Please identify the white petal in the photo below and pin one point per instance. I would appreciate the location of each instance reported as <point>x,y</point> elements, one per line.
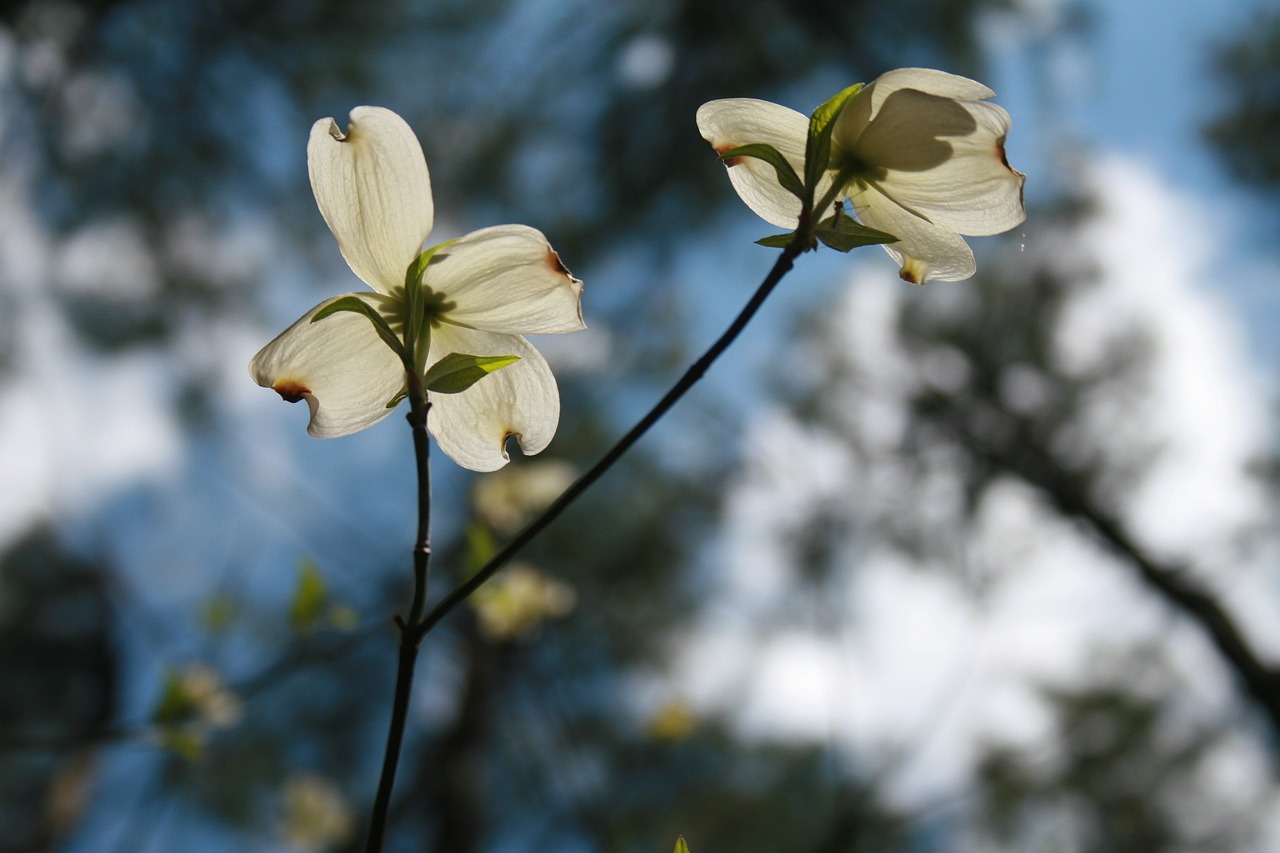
<point>944,159</point>
<point>521,400</point>
<point>863,107</point>
<point>926,80</point>
<point>373,189</point>
<point>733,122</point>
<point>507,279</point>
<point>925,252</point>
<point>339,365</point>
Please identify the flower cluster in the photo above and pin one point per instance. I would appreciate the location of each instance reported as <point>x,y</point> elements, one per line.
<point>917,153</point>
<point>479,295</point>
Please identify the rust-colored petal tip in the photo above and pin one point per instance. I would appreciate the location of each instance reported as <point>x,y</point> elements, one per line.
<point>291,392</point>
<point>732,161</point>
<point>557,266</point>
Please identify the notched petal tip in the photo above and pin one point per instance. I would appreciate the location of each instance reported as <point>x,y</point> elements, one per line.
<point>1019,176</point>
<point>336,132</point>
<point>732,161</point>
<point>913,271</point>
<point>508,434</point>
<point>558,268</point>
<point>291,391</point>
<point>1003,157</point>
<point>556,265</point>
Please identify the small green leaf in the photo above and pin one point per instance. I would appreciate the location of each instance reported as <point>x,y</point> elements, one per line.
<point>817,152</point>
<point>309,597</point>
<point>480,546</point>
<point>761,151</point>
<point>828,110</point>
<point>175,704</point>
<point>400,395</point>
<point>458,371</point>
<point>420,263</point>
<point>187,744</point>
<point>356,305</point>
<point>844,233</point>
<point>777,241</point>
<point>218,613</point>
<point>414,307</point>
<point>681,847</point>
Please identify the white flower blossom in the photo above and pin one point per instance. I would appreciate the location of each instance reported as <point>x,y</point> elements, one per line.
<point>317,815</point>
<point>483,293</point>
<point>917,153</point>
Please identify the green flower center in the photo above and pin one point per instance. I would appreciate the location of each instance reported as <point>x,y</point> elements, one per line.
<point>435,306</point>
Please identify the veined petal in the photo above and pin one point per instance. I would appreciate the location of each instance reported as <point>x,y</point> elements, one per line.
<point>734,122</point>
<point>925,252</point>
<point>339,365</point>
<point>507,279</point>
<point>944,159</point>
<point>863,107</point>
<point>373,190</point>
<point>929,80</point>
<point>521,400</point>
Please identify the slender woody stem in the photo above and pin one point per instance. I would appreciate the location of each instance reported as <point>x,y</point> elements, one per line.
<point>691,376</point>
<point>410,634</point>
<point>416,626</point>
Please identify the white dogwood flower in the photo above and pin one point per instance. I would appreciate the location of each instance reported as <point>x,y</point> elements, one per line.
<point>483,292</point>
<point>917,153</point>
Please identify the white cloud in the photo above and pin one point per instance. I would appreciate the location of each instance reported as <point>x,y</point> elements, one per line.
<point>74,425</point>
<point>1206,407</point>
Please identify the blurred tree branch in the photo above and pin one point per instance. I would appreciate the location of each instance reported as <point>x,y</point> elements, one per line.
<point>1247,134</point>
<point>1024,456</point>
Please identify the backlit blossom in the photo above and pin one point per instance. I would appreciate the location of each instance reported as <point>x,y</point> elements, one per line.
<point>317,815</point>
<point>519,600</point>
<point>917,153</point>
<point>483,293</point>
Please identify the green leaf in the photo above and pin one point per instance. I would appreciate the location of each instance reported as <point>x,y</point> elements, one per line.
<point>681,847</point>
<point>817,151</point>
<point>400,395</point>
<point>218,613</point>
<point>843,233</point>
<point>309,597</point>
<point>419,266</point>
<point>480,546</point>
<point>187,744</point>
<point>762,151</point>
<point>458,371</point>
<point>356,305</point>
<point>777,241</point>
<point>414,307</point>
<point>175,704</point>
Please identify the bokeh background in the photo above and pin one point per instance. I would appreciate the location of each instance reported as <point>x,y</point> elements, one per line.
<point>988,566</point>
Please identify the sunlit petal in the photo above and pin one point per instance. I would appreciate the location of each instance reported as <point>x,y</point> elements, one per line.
<point>924,251</point>
<point>945,160</point>
<point>339,365</point>
<point>521,400</point>
<point>507,279</point>
<point>734,122</point>
<point>929,80</point>
<point>372,187</point>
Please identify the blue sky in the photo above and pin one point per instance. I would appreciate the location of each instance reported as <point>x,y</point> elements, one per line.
<point>1142,84</point>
